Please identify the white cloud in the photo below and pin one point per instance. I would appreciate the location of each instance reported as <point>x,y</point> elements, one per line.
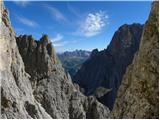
<point>59,42</point>
<point>22,3</point>
<point>58,38</point>
<point>93,24</point>
<point>56,13</point>
<point>26,21</point>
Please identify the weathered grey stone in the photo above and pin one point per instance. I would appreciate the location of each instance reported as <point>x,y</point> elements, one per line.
<point>15,85</point>
<point>138,96</point>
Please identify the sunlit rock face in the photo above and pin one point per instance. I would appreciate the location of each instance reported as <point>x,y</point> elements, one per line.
<point>138,96</point>
<point>17,100</point>
<point>106,68</point>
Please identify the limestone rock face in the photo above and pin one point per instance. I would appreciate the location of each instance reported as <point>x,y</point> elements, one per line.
<point>34,85</point>
<point>105,68</point>
<point>38,56</point>
<point>17,100</point>
<point>138,96</point>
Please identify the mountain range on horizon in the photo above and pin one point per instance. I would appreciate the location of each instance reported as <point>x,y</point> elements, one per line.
<point>72,60</point>
<point>118,82</point>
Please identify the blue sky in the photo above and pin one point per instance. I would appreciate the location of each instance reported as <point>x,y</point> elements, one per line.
<point>75,25</point>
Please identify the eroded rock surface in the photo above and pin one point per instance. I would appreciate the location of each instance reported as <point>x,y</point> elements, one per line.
<point>17,100</point>
<point>138,96</point>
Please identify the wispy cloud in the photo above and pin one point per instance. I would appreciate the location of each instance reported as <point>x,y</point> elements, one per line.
<point>57,14</point>
<point>58,38</point>
<point>60,44</point>
<point>22,3</point>
<point>26,21</point>
<point>93,24</point>
<point>74,10</point>
<point>58,41</point>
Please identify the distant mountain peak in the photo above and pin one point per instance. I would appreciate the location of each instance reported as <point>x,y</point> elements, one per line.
<point>72,60</point>
<point>75,53</point>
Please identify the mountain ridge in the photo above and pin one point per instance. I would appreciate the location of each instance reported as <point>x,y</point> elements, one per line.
<point>105,68</point>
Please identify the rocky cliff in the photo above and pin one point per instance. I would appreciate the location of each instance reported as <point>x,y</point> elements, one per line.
<point>34,84</point>
<point>138,96</point>
<point>17,100</point>
<point>105,68</point>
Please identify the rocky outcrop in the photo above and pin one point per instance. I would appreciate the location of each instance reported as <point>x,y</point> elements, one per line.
<point>34,85</point>
<point>138,96</point>
<point>39,57</point>
<point>17,100</point>
<point>105,68</point>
